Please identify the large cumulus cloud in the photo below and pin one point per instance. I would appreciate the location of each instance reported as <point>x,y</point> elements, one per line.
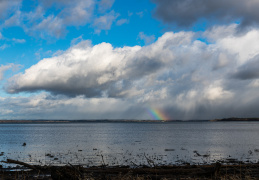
<point>185,13</point>
<point>183,76</point>
<point>99,70</point>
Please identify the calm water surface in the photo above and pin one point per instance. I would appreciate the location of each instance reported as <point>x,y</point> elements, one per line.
<point>130,143</point>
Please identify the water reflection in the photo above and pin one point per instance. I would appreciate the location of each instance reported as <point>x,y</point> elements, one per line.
<point>127,143</point>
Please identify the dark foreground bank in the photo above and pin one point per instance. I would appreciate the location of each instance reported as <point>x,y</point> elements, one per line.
<point>219,170</point>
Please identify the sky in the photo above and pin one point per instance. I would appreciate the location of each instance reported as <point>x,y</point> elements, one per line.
<point>129,59</point>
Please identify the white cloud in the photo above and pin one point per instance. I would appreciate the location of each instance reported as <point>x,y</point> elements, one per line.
<point>18,40</point>
<point>4,46</point>
<point>4,68</point>
<point>6,42</point>
<point>52,25</point>
<point>121,22</point>
<point>38,106</point>
<point>255,84</point>
<point>215,92</point>
<point>244,46</point>
<point>217,32</point>
<point>78,14</point>
<point>147,39</point>
<point>140,14</point>
<point>14,20</point>
<point>8,7</point>
<point>105,5</point>
<point>105,22</point>
<point>76,40</point>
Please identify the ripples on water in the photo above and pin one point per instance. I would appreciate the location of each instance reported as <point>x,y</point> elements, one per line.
<point>130,143</point>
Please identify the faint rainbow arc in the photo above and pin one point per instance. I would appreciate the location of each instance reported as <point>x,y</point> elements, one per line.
<point>158,114</point>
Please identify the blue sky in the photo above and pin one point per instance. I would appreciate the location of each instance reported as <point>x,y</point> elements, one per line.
<point>114,59</point>
<point>32,47</point>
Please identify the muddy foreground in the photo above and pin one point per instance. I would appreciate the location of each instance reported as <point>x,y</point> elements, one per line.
<point>219,170</point>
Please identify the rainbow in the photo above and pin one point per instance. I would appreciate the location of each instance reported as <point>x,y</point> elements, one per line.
<point>157,114</point>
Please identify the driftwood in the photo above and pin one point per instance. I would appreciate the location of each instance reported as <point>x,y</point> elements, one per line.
<point>10,161</point>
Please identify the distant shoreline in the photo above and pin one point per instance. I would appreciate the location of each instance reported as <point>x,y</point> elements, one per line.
<point>94,121</point>
<point>236,119</point>
<point>121,121</point>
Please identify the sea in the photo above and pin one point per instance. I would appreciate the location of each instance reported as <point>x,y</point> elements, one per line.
<point>129,143</point>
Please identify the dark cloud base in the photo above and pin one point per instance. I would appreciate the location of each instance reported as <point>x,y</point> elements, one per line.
<point>185,13</point>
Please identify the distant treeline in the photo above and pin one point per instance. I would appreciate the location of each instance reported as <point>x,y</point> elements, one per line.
<point>237,119</point>
<point>75,121</point>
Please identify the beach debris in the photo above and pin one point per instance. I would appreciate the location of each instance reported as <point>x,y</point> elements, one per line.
<point>231,160</point>
<point>2,153</point>
<point>169,149</point>
<point>149,161</point>
<point>11,161</point>
<point>103,163</point>
<point>196,153</point>
<point>24,144</point>
<point>49,155</point>
<point>256,150</point>
<point>206,155</point>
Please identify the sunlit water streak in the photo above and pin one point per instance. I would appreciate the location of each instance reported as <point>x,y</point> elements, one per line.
<point>130,143</point>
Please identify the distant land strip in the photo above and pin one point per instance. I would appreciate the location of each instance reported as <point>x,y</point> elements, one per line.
<point>88,121</point>
<point>237,119</point>
<point>121,121</point>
